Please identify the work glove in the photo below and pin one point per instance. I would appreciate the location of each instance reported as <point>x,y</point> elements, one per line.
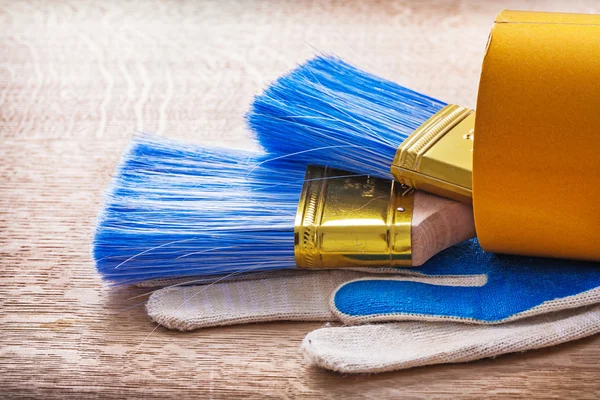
<point>462,305</point>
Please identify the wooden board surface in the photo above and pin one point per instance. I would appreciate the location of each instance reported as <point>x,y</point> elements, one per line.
<point>78,79</point>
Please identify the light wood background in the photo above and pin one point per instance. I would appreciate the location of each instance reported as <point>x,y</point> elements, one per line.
<point>79,78</point>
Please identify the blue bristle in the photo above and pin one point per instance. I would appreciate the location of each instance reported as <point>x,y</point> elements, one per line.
<point>179,210</point>
<point>359,118</point>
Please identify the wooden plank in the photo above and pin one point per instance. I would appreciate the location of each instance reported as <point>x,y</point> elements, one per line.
<point>78,79</point>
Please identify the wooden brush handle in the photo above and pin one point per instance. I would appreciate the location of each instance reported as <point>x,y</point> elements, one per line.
<point>437,224</point>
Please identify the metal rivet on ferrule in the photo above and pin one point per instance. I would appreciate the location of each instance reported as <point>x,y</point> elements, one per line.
<point>401,209</point>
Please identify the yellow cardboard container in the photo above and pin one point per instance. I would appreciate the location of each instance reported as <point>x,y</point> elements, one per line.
<point>536,155</point>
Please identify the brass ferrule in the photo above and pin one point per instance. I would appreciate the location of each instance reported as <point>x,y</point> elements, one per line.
<point>352,221</point>
<point>438,156</point>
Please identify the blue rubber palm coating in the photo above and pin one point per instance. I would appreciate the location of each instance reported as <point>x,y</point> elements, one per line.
<point>515,284</point>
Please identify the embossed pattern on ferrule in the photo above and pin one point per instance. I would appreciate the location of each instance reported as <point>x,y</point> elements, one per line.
<point>345,220</point>
<point>437,156</point>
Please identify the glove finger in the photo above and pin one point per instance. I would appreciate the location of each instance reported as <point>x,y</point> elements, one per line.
<point>391,299</point>
<point>394,346</point>
<point>387,299</point>
<point>209,279</point>
<point>248,276</point>
<point>292,298</point>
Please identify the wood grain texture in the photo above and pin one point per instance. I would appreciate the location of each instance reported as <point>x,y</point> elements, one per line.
<point>438,223</point>
<point>79,78</point>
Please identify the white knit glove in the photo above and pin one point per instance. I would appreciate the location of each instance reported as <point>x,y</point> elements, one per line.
<point>369,348</point>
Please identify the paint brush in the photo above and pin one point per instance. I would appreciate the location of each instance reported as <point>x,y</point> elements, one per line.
<point>329,112</point>
<point>181,210</point>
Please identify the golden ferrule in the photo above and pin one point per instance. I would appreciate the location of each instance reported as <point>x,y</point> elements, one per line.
<point>350,221</point>
<point>438,156</point>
